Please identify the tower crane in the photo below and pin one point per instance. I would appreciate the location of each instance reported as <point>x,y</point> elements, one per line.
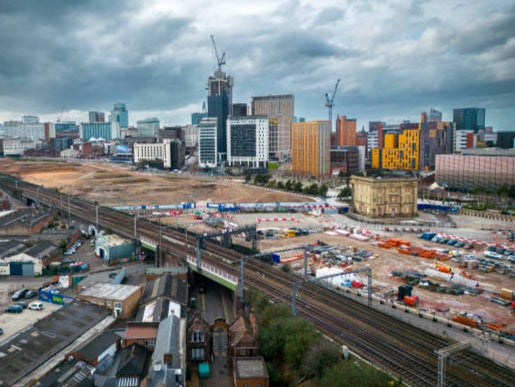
<point>220,60</point>
<point>329,101</point>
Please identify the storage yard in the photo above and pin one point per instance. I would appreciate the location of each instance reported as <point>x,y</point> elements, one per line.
<point>456,281</point>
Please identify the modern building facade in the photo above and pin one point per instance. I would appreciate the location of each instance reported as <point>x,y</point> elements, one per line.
<point>196,117</point>
<point>506,140</point>
<point>347,159</point>
<point>19,129</point>
<point>219,105</point>
<point>154,151</point>
<point>208,142</point>
<point>464,139</point>
<point>469,118</point>
<point>487,168</point>
<point>106,130</point>
<point>247,141</point>
<point>377,197</point>
<point>434,115</point>
<point>120,115</point>
<point>149,127</point>
<point>280,110</point>
<point>400,151</point>
<point>239,110</point>
<point>345,131</point>
<point>311,148</point>
<point>96,117</point>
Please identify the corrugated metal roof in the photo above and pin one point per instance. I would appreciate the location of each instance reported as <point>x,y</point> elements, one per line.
<point>109,291</point>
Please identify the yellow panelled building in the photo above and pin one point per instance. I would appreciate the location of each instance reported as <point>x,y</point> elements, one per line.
<point>311,148</point>
<point>400,151</point>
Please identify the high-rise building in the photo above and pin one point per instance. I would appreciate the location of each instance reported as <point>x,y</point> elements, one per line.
<point>149,127</point>
<point>239,109</point>
<point>19,129</point>
<point>197,116</point>
<point>106,131</point>
<point>311,148</point>
<point>469,119</point>
<point>400,150</point>
<point>434,115</point>
<point>345,131</point>
<point>247,141</point>
<point>96,117</point>
<point>219,104</point>
<point>30,119</point>
<point>207,142</point>
<point>120,115</point>
<point>280,112</point>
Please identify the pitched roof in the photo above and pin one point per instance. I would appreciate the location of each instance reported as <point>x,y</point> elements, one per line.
<point>99,344</point>
<point>166,285</point>
<point>133,362</point>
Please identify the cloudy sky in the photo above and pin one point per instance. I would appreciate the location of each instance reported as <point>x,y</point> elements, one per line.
<point>395,58</point>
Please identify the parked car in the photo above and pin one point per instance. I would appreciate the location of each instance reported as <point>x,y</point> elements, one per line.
<point>30,294</point>
<point>19,294</point>
<point>36,305</point>
<point>14,309</point>
<point>23,304</point>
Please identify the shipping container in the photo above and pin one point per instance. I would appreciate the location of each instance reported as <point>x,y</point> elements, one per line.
<point>411,300</point>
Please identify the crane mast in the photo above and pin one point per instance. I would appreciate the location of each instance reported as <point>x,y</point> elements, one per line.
<point>220,60</point>
<point>329,101</point>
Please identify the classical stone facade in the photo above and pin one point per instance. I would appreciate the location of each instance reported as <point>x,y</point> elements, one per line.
<point>380,197</point>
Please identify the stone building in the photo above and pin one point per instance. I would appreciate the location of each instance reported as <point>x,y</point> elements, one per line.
<point>379,197</point>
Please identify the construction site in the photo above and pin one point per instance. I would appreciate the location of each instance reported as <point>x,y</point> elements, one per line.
<point>454,281</point>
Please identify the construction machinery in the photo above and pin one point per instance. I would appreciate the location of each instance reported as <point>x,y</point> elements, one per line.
<point>329,100</point>
<point>219,59</point>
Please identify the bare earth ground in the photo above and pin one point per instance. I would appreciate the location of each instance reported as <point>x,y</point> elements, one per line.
<point>114,185</point>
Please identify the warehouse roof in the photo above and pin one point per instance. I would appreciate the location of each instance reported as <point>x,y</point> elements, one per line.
<point>109,291</point>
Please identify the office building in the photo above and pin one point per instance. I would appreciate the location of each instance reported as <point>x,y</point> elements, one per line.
<point>120,115</point>
<point>191,136</point>
<point>347,160</point>
<point>280,112</point>
<point>208,142</point>
<point>384,197</point>
<point>239,110</point>
<point>156,151</point>
<point>96,117</point>
<point>19,129</point>
<point>434,115</point>
<point>311,148</point>
<point>196,117</point>
<point>506,140</point>
<point>345,131</point>
<point>247,142</point>
<point>469,119</point>
<point>464,139</point>
<point>105,131</point>
<point>400,149</point>
<point>30,119</point>
<point>219,105</point>
<point>149,127</point>
<point>487,168</point>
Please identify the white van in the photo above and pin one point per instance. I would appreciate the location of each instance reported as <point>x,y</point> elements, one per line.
<point>36,305</point>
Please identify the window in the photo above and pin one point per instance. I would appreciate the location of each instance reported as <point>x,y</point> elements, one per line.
<point>117,304</point>
<point>197,336</point>
<point>197,354</point>
<point>150,343</point>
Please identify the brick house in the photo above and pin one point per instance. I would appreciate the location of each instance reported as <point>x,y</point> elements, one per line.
<point>198,340</point>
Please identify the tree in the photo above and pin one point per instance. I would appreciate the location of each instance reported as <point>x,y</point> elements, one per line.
<point>288,185</point>
<point>280,185</point>
<point>323,190</point>
<point>345,193</point>
<point>312,189</point>
<point>298,186</point>
<point>318,358</point>
<point>511,191</point>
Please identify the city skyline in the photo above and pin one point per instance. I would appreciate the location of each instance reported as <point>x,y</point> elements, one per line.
<point>394,59</point>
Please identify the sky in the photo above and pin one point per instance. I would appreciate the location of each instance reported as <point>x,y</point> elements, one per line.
<point>395,58</point>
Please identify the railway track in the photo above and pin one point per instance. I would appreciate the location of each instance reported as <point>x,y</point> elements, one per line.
<point>397,347</point>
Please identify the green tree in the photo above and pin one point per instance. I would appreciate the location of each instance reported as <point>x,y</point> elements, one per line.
<point>345,193</point>
<point>289,185</point>
<point>511,191</point>
<point>280,185</point>
<point>318,358</point>
<point>300,336</point>
<point>323,190</point>
<point>312,189</point>
<point>298,186</point>
<point>477,190</point>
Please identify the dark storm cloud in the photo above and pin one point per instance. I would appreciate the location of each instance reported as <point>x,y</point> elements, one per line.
<point>394,58</point>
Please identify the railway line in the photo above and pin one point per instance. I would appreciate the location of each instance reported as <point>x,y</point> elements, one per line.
<point>395,346</point>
